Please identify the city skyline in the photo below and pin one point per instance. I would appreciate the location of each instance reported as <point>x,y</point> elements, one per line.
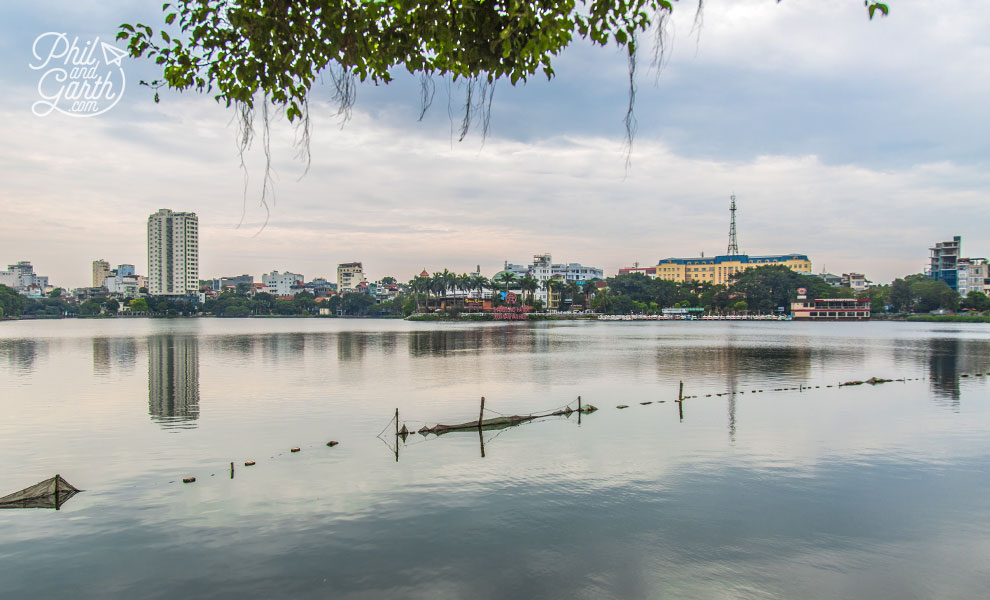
<point>858,155</point>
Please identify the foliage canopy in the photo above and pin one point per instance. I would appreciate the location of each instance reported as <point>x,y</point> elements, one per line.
<point>239,50</point>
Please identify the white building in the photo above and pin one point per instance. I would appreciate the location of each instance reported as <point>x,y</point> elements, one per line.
<point>543,268</point>
<point>173,253</point>
<point>856,281</point>
<point>127,286</point>
<point>21,277</point>
<point>281,284</point>
<point>577,272</point>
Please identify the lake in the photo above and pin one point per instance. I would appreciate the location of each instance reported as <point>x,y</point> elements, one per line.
<point>743,490</point>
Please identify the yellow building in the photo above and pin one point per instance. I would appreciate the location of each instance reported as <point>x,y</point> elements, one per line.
<point>718,269</point>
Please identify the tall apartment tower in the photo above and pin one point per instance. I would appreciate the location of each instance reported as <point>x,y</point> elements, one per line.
<point>101,270</point>
<point>173,253</point>
<point>349,275</point>
<point>944,258</point>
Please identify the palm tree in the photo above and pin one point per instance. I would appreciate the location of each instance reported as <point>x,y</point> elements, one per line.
<point>506,277</point>
<point>529,284</point>
<point>573,289</point>
<point>449,281</point>
<point>604,299</point>
<point>589,290</point>
<point>416,286</point>
<point>464,283</point>
<point>479,282</point>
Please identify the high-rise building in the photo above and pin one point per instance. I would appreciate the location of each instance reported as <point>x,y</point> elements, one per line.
<point>349,275</point>
<point>944,259</point>
<point>101,270</point>
<point>173,253</point>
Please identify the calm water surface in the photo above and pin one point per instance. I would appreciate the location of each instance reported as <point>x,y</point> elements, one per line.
<point>853,492</point>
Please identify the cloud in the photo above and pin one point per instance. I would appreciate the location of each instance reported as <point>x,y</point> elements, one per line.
<point>857,143</point>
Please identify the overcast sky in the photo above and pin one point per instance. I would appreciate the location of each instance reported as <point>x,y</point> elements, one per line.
<point>857,143</point>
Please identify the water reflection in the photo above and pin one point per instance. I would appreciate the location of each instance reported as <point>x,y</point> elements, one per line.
<point>21,353</point>
<point>351,345</point>
<point>948,358</point>
<point>173,380</point>
<point>108,352</point>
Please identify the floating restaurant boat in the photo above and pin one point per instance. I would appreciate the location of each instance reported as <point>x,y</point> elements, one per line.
<point>831,309</point>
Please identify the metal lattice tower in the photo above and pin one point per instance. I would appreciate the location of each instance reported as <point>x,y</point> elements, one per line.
<point>733,242</point>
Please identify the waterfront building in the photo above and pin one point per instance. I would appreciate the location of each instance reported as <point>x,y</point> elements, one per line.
<point>281,284</point>
<point>720,269</point>
<point>543,268</point>
<point>944,261</point>
<point>831,309</point>
<point>101,270</point>
<point>173,253</point>
<point>349,275</point>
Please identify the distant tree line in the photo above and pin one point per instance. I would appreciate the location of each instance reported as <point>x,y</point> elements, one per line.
<point>768,288</point>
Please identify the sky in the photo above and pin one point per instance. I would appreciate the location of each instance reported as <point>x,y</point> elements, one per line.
<point>859,143</point>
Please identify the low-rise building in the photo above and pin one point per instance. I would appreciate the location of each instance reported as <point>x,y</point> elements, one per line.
<point>281,284</point>
<point>320,287</point>
<point>831,279</point>
<point>720,269</point>
<point>855,281</point>
<point>973,275</point>
<point>21,277</point>
<point>222,283</point>
<point>543,268</point>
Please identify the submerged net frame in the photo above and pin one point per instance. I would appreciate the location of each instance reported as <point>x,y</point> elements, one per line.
<point>50,493</point>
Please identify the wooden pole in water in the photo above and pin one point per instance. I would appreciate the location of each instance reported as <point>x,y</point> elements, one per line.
<point>231,470</point>
<point>396,422</point>
<point>680,394</point>
<point>481,413</point>
<point>481,440</point>
<point>56,492</point>
<point>579,404</point>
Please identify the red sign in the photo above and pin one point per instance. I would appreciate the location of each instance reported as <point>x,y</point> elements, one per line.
<point>510,298</point>
<point>511,313</point>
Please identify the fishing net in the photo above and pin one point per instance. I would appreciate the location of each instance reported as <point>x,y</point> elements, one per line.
<point>50,493</point>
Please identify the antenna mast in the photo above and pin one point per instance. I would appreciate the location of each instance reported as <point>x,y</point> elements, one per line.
<point>733,243</point>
